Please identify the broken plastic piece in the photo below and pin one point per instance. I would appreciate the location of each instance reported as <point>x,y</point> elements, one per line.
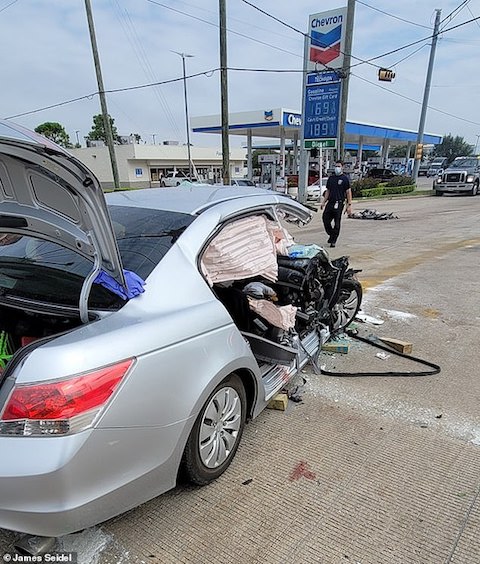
<point>303,251</point>
<point>382,355</point>
<point>368,318</point>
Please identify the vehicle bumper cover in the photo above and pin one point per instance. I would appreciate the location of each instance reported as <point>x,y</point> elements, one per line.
<point>454,187</point>
<point>51,486</point>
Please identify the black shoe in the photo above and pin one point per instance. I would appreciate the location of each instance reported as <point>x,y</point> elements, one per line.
<point>332,244</point>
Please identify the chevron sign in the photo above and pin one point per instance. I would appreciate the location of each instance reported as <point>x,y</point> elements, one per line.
<point>326,39</point>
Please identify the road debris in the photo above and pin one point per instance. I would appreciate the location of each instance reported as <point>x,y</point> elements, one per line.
<point>361,316</point>
<point>280,402</point>
<point>372,214</point>
<point>382,355</point>
<point>400,346</point>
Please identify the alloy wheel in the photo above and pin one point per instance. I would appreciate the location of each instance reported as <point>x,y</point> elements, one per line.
<point>219,428</point>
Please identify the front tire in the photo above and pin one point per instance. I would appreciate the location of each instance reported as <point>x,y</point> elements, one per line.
<point>216,434</point>
<point>474,190</point>
<point>347,306</point>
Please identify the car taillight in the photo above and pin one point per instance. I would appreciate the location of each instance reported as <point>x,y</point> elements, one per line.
<point>61,407</point>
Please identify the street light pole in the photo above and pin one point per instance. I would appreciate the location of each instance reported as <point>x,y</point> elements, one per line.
<point>76,133</point>
<point>184,56</point>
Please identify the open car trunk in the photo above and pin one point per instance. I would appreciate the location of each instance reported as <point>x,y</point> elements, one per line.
<point>22,329</point>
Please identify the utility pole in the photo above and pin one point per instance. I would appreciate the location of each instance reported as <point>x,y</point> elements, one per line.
<point>103,100</point>
<point>426,94</point>
<point>224,93</point>
<point>347,57</point>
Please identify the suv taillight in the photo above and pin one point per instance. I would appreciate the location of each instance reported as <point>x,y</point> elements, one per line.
<point>61,407</point>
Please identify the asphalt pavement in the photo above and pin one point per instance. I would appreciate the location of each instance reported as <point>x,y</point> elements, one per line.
<point>370,470</point>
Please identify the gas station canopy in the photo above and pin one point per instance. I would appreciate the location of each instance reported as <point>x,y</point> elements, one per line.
<point>283,123</point>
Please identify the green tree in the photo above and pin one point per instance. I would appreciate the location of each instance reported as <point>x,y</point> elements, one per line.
<point>54,131</point>
<point>398,151</point>
<point>452,147</point>
<point>366,154</point>
<point>98,129</point>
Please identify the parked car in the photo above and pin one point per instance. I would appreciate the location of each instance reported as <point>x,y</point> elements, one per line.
<point>381,173</point>
<point>423,169</point>
<point>175,179</point>
<point>132,344</point>
<point>314,191</point>
<point>437,166</point>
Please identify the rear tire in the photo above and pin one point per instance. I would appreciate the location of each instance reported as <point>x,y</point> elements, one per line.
<point>347,306</point>
<point>216,434</point>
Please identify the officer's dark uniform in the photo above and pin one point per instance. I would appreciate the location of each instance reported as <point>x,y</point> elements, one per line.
<point>337,186</point>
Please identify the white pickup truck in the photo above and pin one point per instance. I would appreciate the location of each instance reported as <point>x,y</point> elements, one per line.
<point>175,179</point>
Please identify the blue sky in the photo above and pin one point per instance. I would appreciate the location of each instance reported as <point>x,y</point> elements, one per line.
<point>46,59</point>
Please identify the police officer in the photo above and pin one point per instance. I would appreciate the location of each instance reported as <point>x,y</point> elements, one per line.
<point>338,190</point>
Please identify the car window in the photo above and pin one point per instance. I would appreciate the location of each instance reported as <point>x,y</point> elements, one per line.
<point>41,270</point>
<point>462,163</point>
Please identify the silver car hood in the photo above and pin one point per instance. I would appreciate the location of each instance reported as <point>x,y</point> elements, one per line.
<point>46,192</point>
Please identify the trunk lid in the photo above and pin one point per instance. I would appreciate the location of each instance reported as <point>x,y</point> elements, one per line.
<point>46,192</point>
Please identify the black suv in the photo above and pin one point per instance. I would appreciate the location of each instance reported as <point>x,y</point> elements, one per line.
<point>381,173</point>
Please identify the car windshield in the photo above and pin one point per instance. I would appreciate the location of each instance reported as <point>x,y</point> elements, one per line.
<point>41,270</point>
<point>464,163</point>
<point>244,183</point>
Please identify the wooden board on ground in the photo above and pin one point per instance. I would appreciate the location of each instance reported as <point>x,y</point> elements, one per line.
<point>400,346</point>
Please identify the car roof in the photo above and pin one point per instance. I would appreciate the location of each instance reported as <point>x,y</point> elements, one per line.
<point>187,198</point>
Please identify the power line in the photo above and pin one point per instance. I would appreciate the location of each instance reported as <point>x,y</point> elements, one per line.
<point>86,97</point>
<point>458,9</point>
<point>390,15</point>
<point>301,33</point>
<point>8,5</point>
<point>409,55</point>
<point>209,73</point>
<point>112,91</point>
<point>231,18</point>
<point>415,101</point>
<point>476,21</point>
<point>229,30</point>
<point>417,41</point>
<point>132,35</point>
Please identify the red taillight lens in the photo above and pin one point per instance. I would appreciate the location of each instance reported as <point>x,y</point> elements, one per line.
<point>65,399</point>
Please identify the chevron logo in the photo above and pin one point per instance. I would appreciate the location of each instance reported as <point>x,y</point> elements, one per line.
<point>325,47</point>
<point>324,56</point>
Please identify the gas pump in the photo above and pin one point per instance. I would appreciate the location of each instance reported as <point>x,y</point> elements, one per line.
<point>269,170</point>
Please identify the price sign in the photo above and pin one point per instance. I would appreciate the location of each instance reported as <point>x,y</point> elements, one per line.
<point>322,110</point>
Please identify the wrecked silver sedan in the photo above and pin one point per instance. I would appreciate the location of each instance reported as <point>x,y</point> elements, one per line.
<point>140,331</point>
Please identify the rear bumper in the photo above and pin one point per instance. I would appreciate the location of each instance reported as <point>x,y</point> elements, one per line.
<point>51,486</point>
